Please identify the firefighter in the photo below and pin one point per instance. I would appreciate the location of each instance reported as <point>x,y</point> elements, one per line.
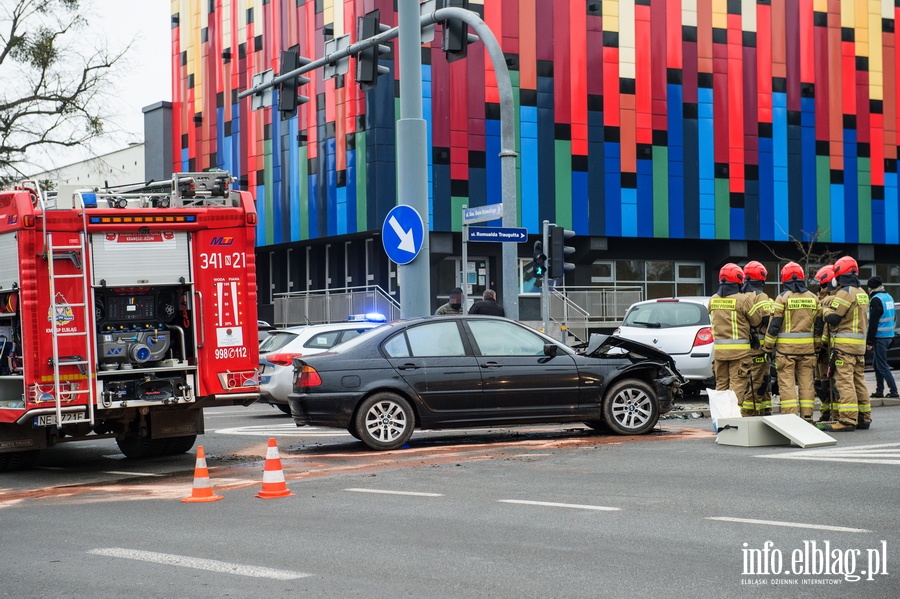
<point>824,384</point>
<point>758,399</point>
<point>795,332</point>
<point>848,317</point>
<point>729,311</point>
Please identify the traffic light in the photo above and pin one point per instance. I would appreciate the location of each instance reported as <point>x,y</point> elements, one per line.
<point>540,260</point>
<point>558,252</point>
<point>456,38</point>
<point>367,67</point>
<point>288,91</point>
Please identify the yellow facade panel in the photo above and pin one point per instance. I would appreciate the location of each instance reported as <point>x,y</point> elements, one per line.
<point>689,13</point>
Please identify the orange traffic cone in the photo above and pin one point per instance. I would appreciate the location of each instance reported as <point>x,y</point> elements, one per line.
<point>273,476</point>
<point>202,492</point>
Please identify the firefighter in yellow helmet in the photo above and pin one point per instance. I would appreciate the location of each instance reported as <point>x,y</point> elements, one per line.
<point>758,399</point>
<point>824,384</point>
<point>795,332</point>
<point>848,317</point>
<point>729,313</point>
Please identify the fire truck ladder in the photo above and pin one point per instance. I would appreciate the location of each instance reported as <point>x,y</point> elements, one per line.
<point>60,305</point>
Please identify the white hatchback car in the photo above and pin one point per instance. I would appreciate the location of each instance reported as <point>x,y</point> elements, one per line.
<point>680,327</point>
<point>278,350</point>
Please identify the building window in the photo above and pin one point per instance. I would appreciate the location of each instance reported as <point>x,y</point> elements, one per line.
<point>655,278</point>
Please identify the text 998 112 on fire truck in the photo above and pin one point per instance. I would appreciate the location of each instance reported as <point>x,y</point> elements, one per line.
<point>123,313</point>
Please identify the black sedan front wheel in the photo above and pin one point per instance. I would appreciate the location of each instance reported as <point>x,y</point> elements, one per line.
<point>630,407</point>
<point>385,421</point>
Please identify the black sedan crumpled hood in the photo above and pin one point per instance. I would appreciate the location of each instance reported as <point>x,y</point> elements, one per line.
<point>608,346</point>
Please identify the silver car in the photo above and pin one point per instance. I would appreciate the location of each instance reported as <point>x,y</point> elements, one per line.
<point>278,350</point>
<point>678,326</point>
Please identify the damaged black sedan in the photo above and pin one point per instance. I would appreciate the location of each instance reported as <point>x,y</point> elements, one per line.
<point>476,371</point>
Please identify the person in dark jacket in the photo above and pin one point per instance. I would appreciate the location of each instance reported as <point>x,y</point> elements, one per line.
<point>454,306</point>
<point>880,335</point>
<point>488,305</point>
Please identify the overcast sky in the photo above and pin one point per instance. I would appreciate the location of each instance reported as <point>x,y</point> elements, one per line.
<point>144,76</point>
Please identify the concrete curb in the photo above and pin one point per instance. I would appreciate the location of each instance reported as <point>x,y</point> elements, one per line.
<point>776,409</point>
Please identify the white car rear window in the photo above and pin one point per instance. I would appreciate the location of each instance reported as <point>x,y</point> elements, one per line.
<point>664,315</point>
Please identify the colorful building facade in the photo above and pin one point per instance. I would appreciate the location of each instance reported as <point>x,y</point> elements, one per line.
<point>698,131</point>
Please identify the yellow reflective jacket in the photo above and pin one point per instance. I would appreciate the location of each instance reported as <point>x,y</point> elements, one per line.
<point>796,313</point>
<point>731,320</point>
<point>852,305</point>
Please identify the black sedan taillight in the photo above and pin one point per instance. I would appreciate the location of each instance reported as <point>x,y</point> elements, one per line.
<point>306,376</point>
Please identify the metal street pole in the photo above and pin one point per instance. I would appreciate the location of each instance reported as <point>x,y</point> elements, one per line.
<point>412,163</point>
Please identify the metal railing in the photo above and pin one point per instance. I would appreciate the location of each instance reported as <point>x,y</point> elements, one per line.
<point>333,305</point>
<point>581,308</point>
<point>605,305</point>
<point>569,315</point>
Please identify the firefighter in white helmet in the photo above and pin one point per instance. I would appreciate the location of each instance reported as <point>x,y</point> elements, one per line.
<point>795,332</point>
<point>848,317</point>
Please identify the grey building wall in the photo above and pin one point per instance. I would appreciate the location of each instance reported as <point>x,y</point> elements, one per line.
<point>158,141</point>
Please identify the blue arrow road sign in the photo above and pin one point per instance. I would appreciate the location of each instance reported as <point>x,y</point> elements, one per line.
<point>402,234</point>
<point>502,234</point>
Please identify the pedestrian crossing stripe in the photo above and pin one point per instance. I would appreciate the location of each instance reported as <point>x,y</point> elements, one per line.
<point>885,453</point>
<point>283,430</point>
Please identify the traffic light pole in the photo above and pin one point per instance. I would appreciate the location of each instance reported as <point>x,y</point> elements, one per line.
<point>464,275</point>
<point>545,284</point>
<point>508,154</point>
<point>412,139</point>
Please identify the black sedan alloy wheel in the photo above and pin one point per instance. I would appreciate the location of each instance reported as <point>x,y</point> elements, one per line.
<point>630,407</point>
<point>385,421</point>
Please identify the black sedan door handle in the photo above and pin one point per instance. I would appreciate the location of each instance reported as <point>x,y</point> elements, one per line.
<point>408,366</point>
<point>491,365</point>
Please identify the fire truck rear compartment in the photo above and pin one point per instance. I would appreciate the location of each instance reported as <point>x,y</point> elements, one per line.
<point>139,432</point>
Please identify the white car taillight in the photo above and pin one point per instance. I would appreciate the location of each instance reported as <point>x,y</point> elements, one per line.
<point>703,337</point>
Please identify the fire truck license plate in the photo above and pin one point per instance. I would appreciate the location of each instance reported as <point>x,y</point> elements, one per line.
<point>50,419</point>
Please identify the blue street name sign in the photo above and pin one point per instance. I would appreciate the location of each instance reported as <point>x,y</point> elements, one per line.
<point>501,234</point>
<point>481,214</point>
<point>402,234</point>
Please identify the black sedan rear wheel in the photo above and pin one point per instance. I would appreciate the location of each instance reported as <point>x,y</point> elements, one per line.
<point>384,421</point>
<point>630,407</point>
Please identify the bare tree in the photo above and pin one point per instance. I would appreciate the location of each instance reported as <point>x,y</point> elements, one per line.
<point>810,254</point>
<point>53,84</point>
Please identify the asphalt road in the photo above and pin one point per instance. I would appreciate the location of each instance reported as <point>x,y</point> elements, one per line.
<point>541,512</point>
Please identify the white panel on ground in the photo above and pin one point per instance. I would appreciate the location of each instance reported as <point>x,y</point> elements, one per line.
<point>800,432</point>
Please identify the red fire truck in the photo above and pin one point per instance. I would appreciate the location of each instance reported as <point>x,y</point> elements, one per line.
<point>123,313</point>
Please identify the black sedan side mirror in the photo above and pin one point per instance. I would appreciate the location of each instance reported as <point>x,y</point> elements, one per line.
<point>550,349</point>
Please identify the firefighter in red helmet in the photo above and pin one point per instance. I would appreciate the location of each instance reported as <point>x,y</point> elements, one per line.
<point>795,332</point>
<point>729,312</point>
<point>848,317</point>
<point>758,399</point>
